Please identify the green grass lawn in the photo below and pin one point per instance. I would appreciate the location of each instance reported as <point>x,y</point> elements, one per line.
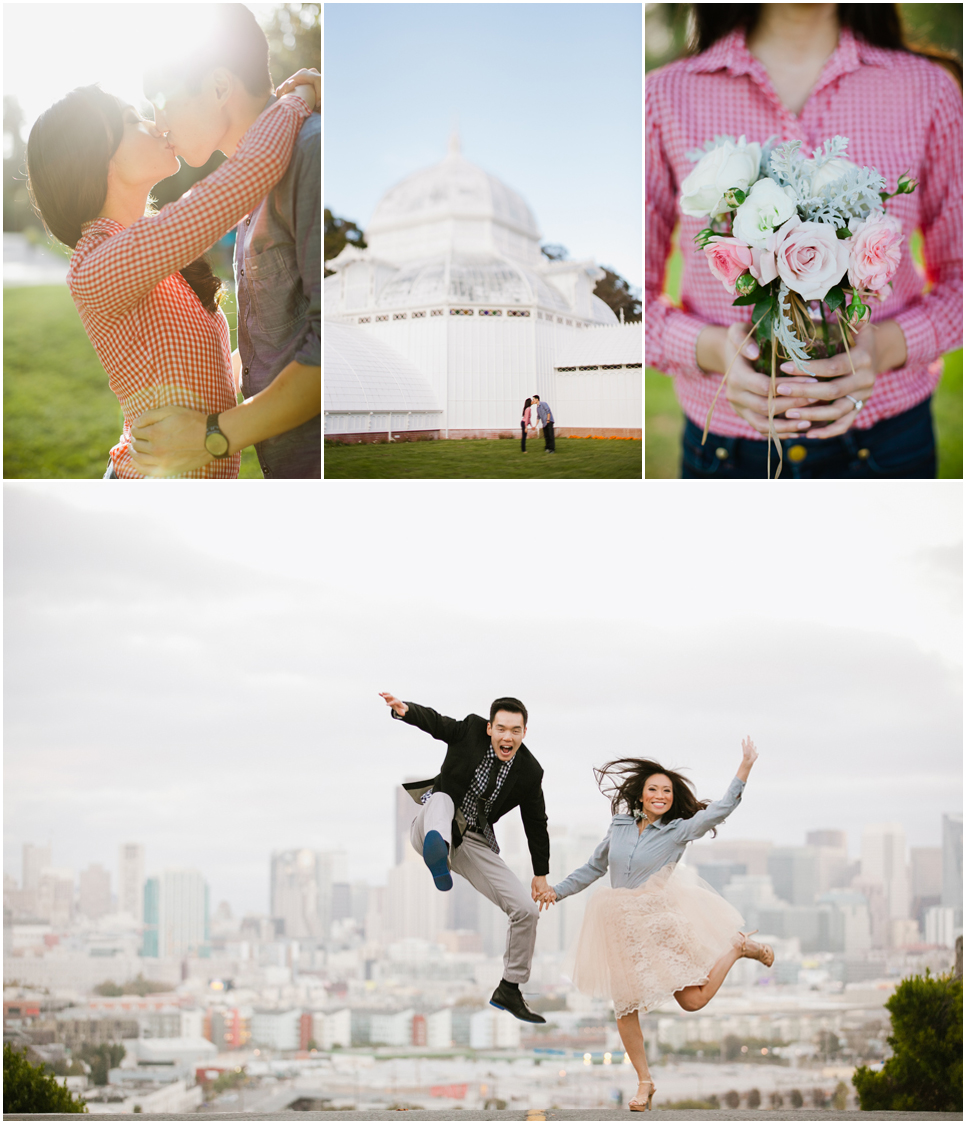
<point>60,417</point>
<point>664,419</point>
<point>575,458</point>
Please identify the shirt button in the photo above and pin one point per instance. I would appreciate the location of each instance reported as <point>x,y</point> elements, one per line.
<point>242,272</point>
<point>797,453</point>
<point>246,370</point>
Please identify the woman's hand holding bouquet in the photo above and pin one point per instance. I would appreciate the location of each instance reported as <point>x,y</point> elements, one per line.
<point>794,237</point>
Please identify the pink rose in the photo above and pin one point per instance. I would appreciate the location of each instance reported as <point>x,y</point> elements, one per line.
<point>875,253</point>
<point>728,259</point>
<point>809,258</point>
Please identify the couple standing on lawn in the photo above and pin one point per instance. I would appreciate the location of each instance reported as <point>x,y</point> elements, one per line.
<point>140,279</point>
<point>545,414</point>
<point>656,932</point>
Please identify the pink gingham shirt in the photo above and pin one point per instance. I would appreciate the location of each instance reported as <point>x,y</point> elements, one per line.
<point>151,333</point>
<point>901,113</point>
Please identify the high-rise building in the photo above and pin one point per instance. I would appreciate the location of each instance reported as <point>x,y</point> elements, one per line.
<point>175,914</point>
<point>130,880</point>
<point>926,880</point>
<point>414,907</point>
<point>150,910</point>
<point>406,810</point>
<point>94,900</point>
<point>55,895</point>
<point>952,895</point>
<point>794,874</point>
<point>35,859</point>
<point>884,861</point>
<point>827,838</point>
<point>302,890</point>
<point>752,852</point>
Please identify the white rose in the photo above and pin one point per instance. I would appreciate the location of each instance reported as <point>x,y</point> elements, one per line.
<point>729,165</point>
<point>768,205</point>
<point>829,172</point>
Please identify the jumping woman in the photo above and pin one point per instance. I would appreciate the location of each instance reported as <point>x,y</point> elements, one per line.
<point>658,931</point>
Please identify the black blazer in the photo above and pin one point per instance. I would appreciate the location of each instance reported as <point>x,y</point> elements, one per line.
<point>466,744</point>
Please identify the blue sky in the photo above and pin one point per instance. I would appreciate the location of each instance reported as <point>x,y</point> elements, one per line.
<point>548,97</point>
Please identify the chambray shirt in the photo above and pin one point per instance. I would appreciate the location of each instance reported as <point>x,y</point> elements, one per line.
<point>634,856</point>
<point>544,413</point>
<point>278,277</point>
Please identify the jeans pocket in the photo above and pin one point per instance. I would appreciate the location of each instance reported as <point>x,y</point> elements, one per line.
<point>275,291</point>
<point>903,447</point>
<point>711,459</point>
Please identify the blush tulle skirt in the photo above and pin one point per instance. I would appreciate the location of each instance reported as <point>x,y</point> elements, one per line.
<point>638,947</point>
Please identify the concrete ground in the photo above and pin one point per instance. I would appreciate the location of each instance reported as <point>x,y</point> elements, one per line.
<point>533,1114</point>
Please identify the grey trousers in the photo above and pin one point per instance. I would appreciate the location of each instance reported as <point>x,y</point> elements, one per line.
<point>487,872</point>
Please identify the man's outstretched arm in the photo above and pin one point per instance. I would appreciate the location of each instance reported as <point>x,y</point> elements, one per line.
<point>398,706</point>
<point>425,718</point>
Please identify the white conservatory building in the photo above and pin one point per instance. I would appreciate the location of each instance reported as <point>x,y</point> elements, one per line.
<point>453,316</point>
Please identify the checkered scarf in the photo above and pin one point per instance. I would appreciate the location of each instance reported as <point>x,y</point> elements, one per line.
<point>475,792</point>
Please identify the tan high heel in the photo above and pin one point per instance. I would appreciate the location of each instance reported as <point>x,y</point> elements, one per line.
<point>637,1105</point>
<point>752,950</point>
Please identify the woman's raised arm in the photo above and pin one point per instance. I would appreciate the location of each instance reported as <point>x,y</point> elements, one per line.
<point>123,268</point>
<point>749,755</point>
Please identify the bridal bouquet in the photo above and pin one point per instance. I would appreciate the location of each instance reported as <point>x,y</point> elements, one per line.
<point>794,237</point>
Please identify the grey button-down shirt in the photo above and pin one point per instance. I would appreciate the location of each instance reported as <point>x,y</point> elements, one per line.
<point>634,856</point>
<point>544,412</point>
<point>278,278</point>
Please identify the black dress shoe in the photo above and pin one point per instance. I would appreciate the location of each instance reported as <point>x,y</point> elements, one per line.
<point>510,999</point>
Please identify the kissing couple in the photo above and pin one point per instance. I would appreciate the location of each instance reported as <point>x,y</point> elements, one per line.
<point>140,279</point>
<point>657,932</point>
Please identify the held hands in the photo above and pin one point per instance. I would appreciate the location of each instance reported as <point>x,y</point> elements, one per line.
<point>169,441</point>
<point>747,389</point>
<point>830,395</point>
<point>398,706</point>
<point>307,84</point>
<point>542,892</point>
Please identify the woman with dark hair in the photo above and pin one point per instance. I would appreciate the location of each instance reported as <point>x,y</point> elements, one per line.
<point>658,930</point>
<point>146,295</point>
<point>525,424</point>
<point>809,72</point>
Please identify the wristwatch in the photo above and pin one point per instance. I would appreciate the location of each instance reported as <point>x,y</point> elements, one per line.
<point>215,441</point>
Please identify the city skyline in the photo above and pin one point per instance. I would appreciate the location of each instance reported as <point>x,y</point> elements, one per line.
<point>210,694</point>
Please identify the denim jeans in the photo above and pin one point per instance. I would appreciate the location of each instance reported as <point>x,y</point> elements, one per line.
<point>900,448</point>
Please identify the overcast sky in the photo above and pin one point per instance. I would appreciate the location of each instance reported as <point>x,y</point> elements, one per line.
<point>548,98</point>
<point>198,671</point>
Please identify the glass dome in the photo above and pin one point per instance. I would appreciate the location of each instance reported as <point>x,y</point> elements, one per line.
<point>468,282</point>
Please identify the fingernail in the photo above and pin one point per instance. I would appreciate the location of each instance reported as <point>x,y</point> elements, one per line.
<point>751,352</point>
<point>784,390</point>
<point>792,414</point>
<point>804,425</point>
<point>788,368</point>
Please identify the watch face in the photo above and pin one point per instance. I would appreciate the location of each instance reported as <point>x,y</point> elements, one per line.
<point>216,444</point>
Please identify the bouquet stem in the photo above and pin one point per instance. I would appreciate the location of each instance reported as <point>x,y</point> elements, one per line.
<point>772,435</point>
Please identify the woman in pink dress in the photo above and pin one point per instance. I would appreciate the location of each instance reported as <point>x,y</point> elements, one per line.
<point>659,930</point>
<point>146,295</point>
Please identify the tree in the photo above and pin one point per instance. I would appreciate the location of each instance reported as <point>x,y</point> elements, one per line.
<point>731,1047</point>
<point>795,1096</point>
<point>337,233</point>
<point>754,1098</point>
<point>828,1043</point>
<point>731,1099</point>
<point>925,1072</point>
<point>614,291</point>
<point>102,1057</point>
<point>294,39</point>
<point>776,1100</point>
<point>28,1088</point>
<point>840,1098</point>
<point>819,1099</point>
<point>555,252</point>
